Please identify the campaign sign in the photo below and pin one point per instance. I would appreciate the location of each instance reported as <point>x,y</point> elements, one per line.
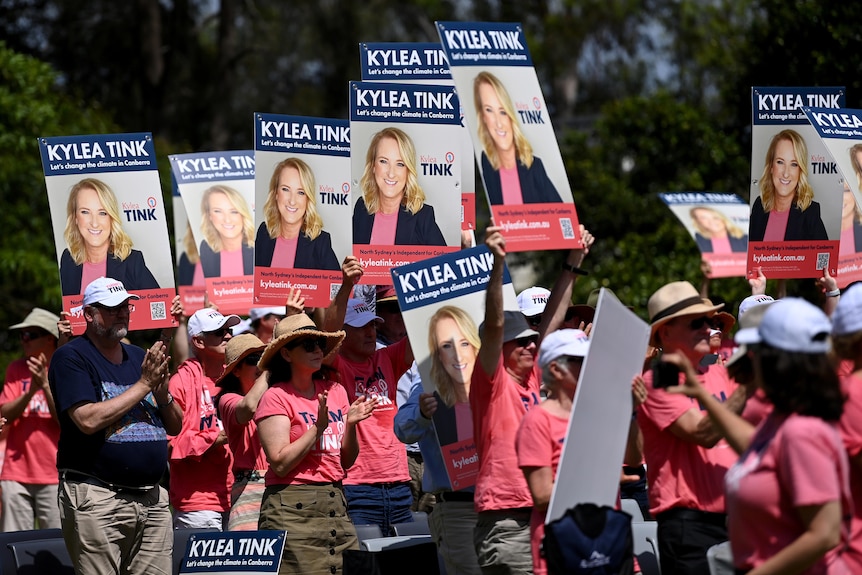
<point>423,62</point>
<point>405,174</point>
<point>841,132</point>
<point>601,411</point>
<point>233,553</point>
<point>218,193</point>
<point>303,225</point>
<point>513,139</point>
<point>108,218</point>
<point>442,300</point>
<point>719,225</point>
<point>796,188</point>
<point>188,259</point>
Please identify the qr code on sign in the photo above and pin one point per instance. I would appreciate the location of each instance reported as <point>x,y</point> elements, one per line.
<point>568,231</point>
<point>158,310</point>
<point>333,291</point>
<point>822,261</point>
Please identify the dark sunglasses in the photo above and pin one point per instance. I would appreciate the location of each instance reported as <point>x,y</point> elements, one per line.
<point>527,340</point>
<point>251,359</point>
<point>116,310</point>
<point>698,323</point>
<point>534,320</point>
<point>220,332</point>
<point>309,344</point>
<point>29,335</point>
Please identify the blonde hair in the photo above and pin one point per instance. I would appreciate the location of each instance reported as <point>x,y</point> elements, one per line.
<point>854,151</point>
<point>414,197</point>
<point>523,149</point>
<point>804,192</point>
<point>189,245</point>
<point>732,229</point>
<point>468,329</point>
<point>120,245</point>
<point>312,223</point>
<point>211,236</point>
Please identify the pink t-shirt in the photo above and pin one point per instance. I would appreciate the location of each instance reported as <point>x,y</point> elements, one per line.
<point>31,447</point>
<point>847,245</point>
<point>463,421</point>
<point>231,264</point>
<point>793,461</point>
<point>285,252</point>
<point>382,457</point>
<point>383,230</point>
<point>499,404</point>
<point>682,473</point>
<point>242,438</point>
<point>199,279</point>
<point>511,185</point>
<point>756,408</point>
<point>91,272</point>
<point>200,475</point>
<point>539,443</point>
<point>850,428</point>
<point>322,464</point>
<point>776,225</point>
<point>721,245</point>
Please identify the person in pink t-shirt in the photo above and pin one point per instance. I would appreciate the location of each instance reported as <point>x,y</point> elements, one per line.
<point>685,457</point>
<point>504,387</point>
<point>847,345</point>
<point>308,429</point>
<point>788,495</point>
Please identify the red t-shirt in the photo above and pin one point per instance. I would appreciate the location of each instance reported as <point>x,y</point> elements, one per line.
<point>850,428</point>
<point>31,447</point>
<point>382,457</point>
<point>792,462</point>
<point>322,464</point>
<point>682,473</point>
<point>242,438</point>
<point>200,476</point>
<point>499,404</point>
<point>539,443</point>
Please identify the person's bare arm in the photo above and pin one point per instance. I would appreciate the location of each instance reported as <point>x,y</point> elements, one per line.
<point>540,480</point>
<point>561,292</point>
<point>492,334</point>
<point>351,271</point>
<point>248,404</point>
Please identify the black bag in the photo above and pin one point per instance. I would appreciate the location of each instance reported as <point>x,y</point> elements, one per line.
<point>421,559</point>
<point>590,540</point>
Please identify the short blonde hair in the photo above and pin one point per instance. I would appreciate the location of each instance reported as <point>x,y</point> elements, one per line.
<point>189,245</point>
<point>732,229</point>
<point>120,245</point>
<point>211,236</point>
<point>468,329</point>
<point>414,197</point>
<point>312,223</point>
<point>804,191</point>
<point>523,149</point>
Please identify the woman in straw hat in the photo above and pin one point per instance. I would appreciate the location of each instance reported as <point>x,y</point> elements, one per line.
<point>242,385</point>
<point>307,428</point>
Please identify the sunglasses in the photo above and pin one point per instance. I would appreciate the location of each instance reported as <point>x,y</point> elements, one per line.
<point>698,323</point>
<point>527,340</point>
<point>30,335</point>
<point>116,310</point>
<point>309,344</point>
<point>220,332</point>
<point>251,359</point>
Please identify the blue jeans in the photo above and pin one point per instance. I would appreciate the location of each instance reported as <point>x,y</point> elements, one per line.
<point>382,504</point>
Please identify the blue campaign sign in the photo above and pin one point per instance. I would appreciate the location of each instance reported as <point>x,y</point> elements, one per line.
<point>212,166</point>
<point>444,277</point>
<point>839,123</point>
<point>301,135</point>
<point>233,553</point>
<point>778,105</point>
<point>403,61</point>
<point>404,103</point>
<point>484,44</point>
<point>97,153</point>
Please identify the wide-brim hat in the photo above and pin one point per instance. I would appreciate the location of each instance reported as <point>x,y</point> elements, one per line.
<point>42,319</point>
<point>725,319</point>
<point>236,350</point>
<point>673,300</point>
<point>294,327</point>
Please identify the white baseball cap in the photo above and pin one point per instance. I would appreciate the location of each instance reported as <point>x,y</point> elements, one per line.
<point>532,301</point>
<point>847,317</point>
<point>359,313</point>
<point>208,319</point>
<point>563,343</point>
<point>790,324</point>
<point>107,292</point>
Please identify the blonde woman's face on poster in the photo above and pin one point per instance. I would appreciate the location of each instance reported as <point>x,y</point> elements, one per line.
<point>225,218</point>
<point>785,170</point>
<point>93,221</point>
<point>497,122</point>
<point>711,222</point>
<point>390,171</point>
<point>292,197</point>
<point>457,355</point>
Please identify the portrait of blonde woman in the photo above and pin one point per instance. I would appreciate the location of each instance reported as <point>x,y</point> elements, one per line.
<point>512,174</point>
<point>715,233</point>
<point>292,235</point>
<point>227,224</point>
<point>97,246</point>
<point>392,209</point>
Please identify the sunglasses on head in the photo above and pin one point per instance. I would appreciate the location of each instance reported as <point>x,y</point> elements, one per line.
<point>29,335</point>
<point>526,340</point>
<point>251,359</point>
<point>220,332</point>
<point>309,344</point>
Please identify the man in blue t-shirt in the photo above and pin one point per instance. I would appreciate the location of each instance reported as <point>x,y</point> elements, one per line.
<point>115,410</point>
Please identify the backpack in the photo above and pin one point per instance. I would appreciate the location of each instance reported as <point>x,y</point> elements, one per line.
<point>590,540</point>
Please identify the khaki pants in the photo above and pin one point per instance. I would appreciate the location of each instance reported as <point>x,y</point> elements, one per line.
<point>502,540</point>
<point>23,503</point>
<point>452,524</point>
<point>116,532</point>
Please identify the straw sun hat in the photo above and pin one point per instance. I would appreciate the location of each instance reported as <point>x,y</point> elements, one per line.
<point>674,300</point>
<point>236,350</point>
<point>295,327</point>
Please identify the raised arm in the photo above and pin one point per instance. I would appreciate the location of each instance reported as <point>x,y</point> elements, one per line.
<point>561,293</point>
<point>351,271</point>
<point>492,332</point>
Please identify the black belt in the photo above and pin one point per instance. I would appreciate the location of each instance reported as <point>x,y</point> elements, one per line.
<point>78,477</point>
<point>686,514</point>
<point>248,475</point>
<point>387,485</point>
<point>451,496</point>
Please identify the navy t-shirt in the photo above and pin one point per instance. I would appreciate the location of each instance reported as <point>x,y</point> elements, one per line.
<point>132,451</point>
